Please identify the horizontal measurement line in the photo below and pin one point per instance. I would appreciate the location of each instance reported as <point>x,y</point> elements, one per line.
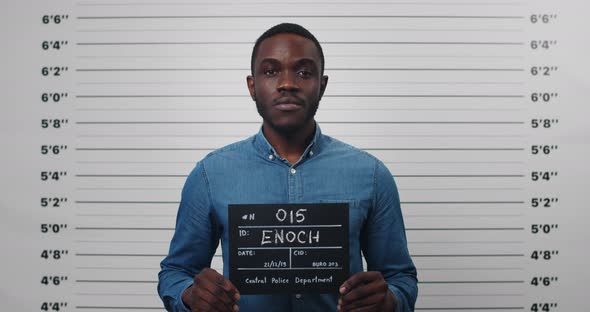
<point>389,55</point>
<point>472,295</point>
<point>339,4</point>
<point>120,308</point>
<point>302,16</point>
<point>324,109</point>
<point>468,229</point>
<point>366,149</point>
<point>469,308</point>
<point>461,188</point>
<point>397,176</point>
<point>118,255</point>
<point>460,176</point>
<point>141,149</point>
<point>469,255</point>
<point>131,175</point>
<point>474,269</point>
<point>456,162</point>
<point>403,202</point>
<point>328,95</point>
<point>113,281</point>
<point>323,122</point>
<point>463,202</point>
<point>126,228</point>
<point>124,202</point>
<point>398,29</point>
<point>116,268</point>
<point>352,83</point>
<point>116,294</point>
<point>171,215</point>
<point>470,282</point>
<point>335,135</point>
<point>125,241</point>
<point>501,96</point>
<point>465,242</point>
<point>448,216</point>
<point>327,69</point>
<point>408,229</point>
<point>386,162</point>
<point>132,188</point>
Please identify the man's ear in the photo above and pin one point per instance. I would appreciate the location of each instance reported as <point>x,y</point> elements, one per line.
<point>250,83</point>
<point>323,85</point>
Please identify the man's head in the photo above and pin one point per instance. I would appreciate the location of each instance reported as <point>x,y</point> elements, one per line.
<point>287,80</point>
<point>291,29</point>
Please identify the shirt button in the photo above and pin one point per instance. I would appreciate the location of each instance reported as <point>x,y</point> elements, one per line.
<point>310,153</point>
<point>271,157</point>
<point>293,171</point>
<point>298,296</point>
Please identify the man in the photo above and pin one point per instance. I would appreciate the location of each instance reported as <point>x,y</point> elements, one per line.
<point>289,161</point>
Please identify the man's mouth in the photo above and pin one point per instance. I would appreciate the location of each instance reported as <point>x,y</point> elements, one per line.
<point>288,104</point>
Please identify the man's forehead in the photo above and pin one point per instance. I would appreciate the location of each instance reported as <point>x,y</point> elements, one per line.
<point>284,44</point>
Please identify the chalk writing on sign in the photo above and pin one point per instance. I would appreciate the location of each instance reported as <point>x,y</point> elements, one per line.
<point>288,248</point>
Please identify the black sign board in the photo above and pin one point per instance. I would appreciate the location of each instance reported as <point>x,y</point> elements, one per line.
<point>288,248</point>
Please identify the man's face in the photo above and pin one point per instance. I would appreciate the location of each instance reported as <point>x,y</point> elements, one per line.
<point>287,84</point>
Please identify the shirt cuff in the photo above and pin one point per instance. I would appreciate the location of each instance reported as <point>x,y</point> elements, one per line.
<point>398,297</point>
<point>180,307</point>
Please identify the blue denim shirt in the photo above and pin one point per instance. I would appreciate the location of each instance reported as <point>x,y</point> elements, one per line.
<point>251,172</point>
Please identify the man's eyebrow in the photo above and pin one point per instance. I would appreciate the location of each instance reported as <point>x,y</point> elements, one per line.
<point>303,61</point>
<point>306,61</point>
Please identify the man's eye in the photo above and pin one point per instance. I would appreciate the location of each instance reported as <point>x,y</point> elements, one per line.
<point>270,72</point>
<point>304,74</point>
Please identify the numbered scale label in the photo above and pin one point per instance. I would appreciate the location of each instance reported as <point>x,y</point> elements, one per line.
<point>288,248</point>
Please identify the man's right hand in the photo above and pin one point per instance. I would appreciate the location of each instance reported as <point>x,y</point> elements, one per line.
<point>211,292</point>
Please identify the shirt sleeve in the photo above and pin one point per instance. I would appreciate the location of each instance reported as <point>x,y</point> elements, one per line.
<point>384,241</point>
<point>194,242</point>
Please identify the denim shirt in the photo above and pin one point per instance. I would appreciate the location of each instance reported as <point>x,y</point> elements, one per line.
<point>251,172</point>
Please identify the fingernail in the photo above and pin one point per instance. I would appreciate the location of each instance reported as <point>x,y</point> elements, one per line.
<point>342,289</point>
<point>237,296</point>
<point>236,308</point>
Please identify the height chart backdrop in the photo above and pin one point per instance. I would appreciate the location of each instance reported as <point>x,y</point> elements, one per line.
<point>478,108</point>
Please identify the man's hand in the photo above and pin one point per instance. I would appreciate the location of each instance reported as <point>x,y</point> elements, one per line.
<point>211,292</point>
<point>366,291</point>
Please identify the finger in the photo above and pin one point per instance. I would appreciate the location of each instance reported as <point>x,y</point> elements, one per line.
<point>365,290</point>
<point>218,296</point>
<point>231,289</point>
<point>357,279</point>
<point>207,302</point>
<point>227,285</point>
<point>376,299</point>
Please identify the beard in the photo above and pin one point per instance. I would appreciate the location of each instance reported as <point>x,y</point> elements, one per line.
<point>291,128</point>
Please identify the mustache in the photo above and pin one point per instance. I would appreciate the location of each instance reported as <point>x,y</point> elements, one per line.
<point>288,99</point>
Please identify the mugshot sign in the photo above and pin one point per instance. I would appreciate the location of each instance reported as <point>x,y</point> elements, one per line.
<point>288,248</point>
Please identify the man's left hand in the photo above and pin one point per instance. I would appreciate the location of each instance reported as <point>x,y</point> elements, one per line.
<point>364,292</point>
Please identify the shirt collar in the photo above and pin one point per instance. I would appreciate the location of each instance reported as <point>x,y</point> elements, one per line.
<point>264,147</point>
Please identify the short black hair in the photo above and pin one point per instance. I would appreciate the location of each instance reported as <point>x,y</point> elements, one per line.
<point>287,28</point>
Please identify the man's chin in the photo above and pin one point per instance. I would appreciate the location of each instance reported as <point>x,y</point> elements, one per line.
<point>286,129</point>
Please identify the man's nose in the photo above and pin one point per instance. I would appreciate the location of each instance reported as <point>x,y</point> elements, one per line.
<point>288,81</point>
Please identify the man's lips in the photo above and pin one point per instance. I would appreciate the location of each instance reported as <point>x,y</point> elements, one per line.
<point>288,104</point>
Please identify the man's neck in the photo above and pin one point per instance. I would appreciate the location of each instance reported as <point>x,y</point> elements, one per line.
<point>290,146</point>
